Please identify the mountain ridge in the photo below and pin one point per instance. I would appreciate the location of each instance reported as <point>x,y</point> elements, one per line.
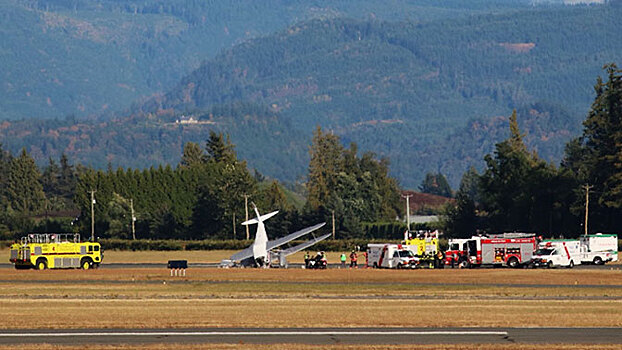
<point>429,96</point>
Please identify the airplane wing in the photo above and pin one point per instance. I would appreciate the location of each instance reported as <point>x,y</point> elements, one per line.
<point>243,254</point>
<point>292,236</point>
<point>304,245</point>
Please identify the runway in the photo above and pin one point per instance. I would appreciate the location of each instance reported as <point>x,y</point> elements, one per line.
<point>318,336</point>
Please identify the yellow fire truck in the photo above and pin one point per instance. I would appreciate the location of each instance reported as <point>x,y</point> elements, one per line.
<point>425,246</point>
<point>55,251</point>
<point>424,243</point>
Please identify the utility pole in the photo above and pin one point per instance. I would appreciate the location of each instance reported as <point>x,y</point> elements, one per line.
<point>133,218</point>
<point>407,211</point>
<point>587,204</point>
<point>92,192</point>
<point>333,224</point>
<point>248,236</point>
<point>233,225</point>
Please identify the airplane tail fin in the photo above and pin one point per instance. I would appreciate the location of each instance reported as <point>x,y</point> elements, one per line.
<point>262,218</point>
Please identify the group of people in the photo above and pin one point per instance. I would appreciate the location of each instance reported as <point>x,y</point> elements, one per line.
<point>353,260</point>
<point>317,262</point>
<point>320,260</point>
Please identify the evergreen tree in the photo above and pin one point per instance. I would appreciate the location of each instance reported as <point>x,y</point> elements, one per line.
<point>460,217</point>
<point>192,155</point>
<point>67,180</point>
<point>356,190</point>
<point>511,182</point>
<point>274,198</point>
<point>5,161</point>
<point>595,158</point>
<point>24,190</point>
<point>220,149</point>
<point>326,160</point>
<point>436,184</point>
<point>221,196</point>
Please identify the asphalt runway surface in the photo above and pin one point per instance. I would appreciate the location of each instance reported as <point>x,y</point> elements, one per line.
<point>318,336</point>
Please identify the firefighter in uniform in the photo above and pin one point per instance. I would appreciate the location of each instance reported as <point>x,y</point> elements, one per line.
<point>353,258</point>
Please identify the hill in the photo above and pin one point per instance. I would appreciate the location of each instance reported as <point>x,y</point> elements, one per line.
<point>402,88</point>
<point>430,95</point>
<point>93,57</point>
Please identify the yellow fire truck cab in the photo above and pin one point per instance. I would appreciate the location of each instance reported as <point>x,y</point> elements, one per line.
<point>55,251</point>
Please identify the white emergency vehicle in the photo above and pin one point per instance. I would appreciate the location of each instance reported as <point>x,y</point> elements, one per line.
<point>554,253</point>
<point>392,256</point>
<point>599,248</point>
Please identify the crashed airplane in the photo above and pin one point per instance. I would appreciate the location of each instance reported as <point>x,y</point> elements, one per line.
<point>262,252</point>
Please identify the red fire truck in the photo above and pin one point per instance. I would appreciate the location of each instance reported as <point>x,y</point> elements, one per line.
<point>508,249</point>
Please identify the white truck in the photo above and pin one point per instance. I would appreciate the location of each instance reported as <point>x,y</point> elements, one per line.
<point>391,256</point>
<point>599,248</point>
<point>554,253</point>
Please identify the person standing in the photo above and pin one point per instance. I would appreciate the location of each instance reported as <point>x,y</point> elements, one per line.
<point>353,258</point>
<point>343,260</point>
<point>306,259</point>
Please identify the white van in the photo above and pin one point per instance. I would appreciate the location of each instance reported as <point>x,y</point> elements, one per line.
<point>556,253</point>
<point>391,256</point>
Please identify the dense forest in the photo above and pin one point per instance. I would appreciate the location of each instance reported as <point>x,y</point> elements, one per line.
<point>91,57</point>
<point>203,196</point>
<point>432,96</point>
<point>177,110</point>
<point>519,191</point>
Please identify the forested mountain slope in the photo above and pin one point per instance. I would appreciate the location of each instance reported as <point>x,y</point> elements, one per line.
<point>402,88</point>
<point>431,95</point>
<point>84,57</point>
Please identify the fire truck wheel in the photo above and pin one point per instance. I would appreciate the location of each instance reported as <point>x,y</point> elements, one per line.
<point>42,264</point>
<point>571,265</point>
<point>513,262</point>
<point>86,264</point>
<point>549,265</point>
<point>375,265</point>
<point>598,261</point>
<point>464,264</point>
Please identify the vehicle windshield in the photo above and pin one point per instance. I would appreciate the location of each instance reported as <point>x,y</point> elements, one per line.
<point>406,254</point>
<point>454,246</point>
<point>544,251</point>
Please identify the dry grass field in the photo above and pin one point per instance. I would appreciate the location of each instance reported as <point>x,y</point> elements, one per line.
<point>210,297</point>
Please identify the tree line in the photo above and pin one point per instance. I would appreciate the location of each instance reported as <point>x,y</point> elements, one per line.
<point>518,191</point>
<point>204,197</point>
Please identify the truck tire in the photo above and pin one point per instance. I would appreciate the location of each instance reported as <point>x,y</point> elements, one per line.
<point>42,264</point>
<point>598,261</point>
<point>85,264</point>
<point>463,264</point>
<point>549,265</point>
<point>375,265</point>
<point>513,262</point>
<point>571,265</point>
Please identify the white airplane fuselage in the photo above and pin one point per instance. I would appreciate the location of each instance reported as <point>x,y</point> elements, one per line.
<point>260,252</point>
